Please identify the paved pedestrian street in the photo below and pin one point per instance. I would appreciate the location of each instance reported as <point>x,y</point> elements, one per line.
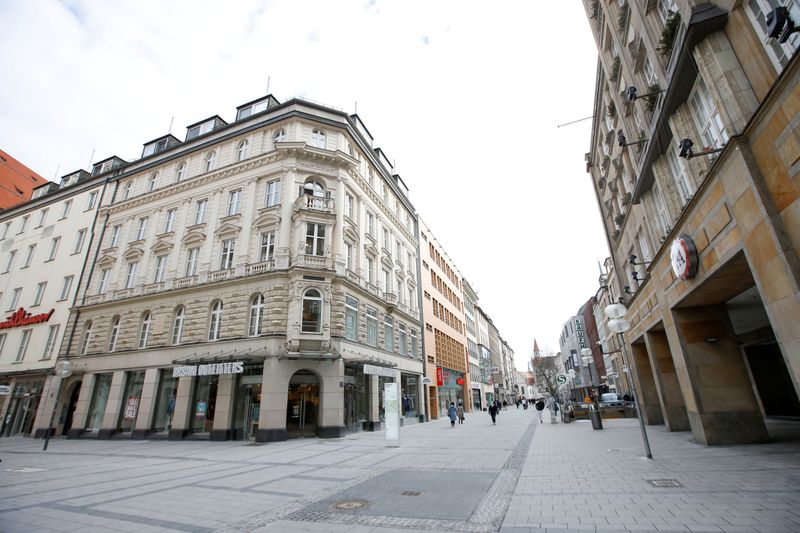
<point>518,476</point>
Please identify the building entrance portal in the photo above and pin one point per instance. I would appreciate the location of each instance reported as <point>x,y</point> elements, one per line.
<point>70,412</point>
<point>303,405</point>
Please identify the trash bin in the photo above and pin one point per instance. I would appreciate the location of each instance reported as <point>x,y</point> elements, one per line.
<point>566,415</point>
<point>594,416</point>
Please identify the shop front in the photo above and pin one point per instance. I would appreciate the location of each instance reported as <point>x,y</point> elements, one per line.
<point>450,387</point>
<point>409,393</point>
<point>22,405</point>
<point>356,397</point>
<point>476,398</point>
<point>247,406</point>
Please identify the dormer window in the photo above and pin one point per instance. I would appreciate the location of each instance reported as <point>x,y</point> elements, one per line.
<point>200,129</point>
<point>258,107</point>
<point>69,180</point>
<point>102,168</point>
<point>154,147</point>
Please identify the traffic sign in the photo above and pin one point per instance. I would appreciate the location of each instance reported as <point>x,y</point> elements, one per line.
<point>561,379</point>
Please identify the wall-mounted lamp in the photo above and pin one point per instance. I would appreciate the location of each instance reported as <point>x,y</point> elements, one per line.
<point>685,149</point>
<point>622,142</point>
<point>627,289</point>
<point>635,276</point>
<point>632,260</point>
<point>631,96</point>
<point>780,25</point>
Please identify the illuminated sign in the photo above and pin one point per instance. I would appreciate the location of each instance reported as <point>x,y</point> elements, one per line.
<point>683,256</point>
<point>23,318</point>
<point>211,369</point>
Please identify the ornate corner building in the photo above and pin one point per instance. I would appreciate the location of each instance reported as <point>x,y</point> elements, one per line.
<point>694,162</point>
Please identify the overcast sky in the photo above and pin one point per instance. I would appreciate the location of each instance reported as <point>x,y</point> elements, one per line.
<point>464,96</point>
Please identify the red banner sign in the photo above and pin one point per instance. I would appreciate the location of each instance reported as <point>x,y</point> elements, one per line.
<point>439,380</point>
<point>23,318</point>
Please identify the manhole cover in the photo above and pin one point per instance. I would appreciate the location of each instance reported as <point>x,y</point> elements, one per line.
<point>664,483</point>
<point>410,493</point>
<point>349,505</point>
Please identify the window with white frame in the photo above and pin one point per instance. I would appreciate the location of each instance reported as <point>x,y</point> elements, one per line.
<point>318,138</point>
<point>65,287</point>
<point>126,191</point>
<point>256,314</point>
<point>40,288</point>
<point>53,248</point>
<point>665,8</point>
<point>402,340</point>
<point>91,201</point>
<point>273,196</point>
<point>226,258</point>
<point>10,260</point>
<point>267,250</point>
<point>211,158</point>
<point>130,277</point>
<point>388,333</point>
<point>113,334</point>
<point>192,254</point>
<point>12,305</point>
<point>177,325</point>
<point>66,208</point>
<point>87,337</point>
<point>258,107</point>
<point>23,345</point>
<point>161,268</point>
<point>2,342</point>
<point>706,116</point>
<point>29,255</point>
<point>348,256</point>
<point>6,227</point>
<point>79,238</point>
<point>414,343</point>
<point>151,183</point>
<point>169,221</point>
<point>103,285</point>
<point>370,224</point>
<point>348,206</point>
<point>399,251</point>
<point>279,135</point>
<point>662,215</point>
<point>241,151</point>
<point>386,281</point>
<point>351,318</point>
<point>372,326</point>
<point>215,321</point>
<point>200,211</point>
<point>650,75</point>
<point>385,193</point>
<point>144,331</point>
<point>411,299</point>
<point>115,231</point>
<point>23,223</point>
<point>200,129</point>
<point>371,177</point>
<point>386,241</point>
<point>180,172</point>
<point>141,231</point>
<point>370,270</point>
<point>757,11</point>
<point>312,312</point>
<point>42,218</point>
<point>315,238</point>
<point>682,181</point>
<point>234,202</point>
<point>50,345</point>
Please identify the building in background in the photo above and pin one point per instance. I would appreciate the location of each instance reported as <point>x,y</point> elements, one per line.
<point>485,357</point>
<point>693,160</point>
<point>476,370</point>
<point>17,182</point>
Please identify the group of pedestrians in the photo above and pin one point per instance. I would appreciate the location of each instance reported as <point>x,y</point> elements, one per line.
<point>457,412</point>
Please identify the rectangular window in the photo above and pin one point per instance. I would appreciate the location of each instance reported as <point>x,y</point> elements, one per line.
<point>778,53</point>
<point>191,261</point>
<point>388,333</point>
<point>372,326</point>
<point>273,193</point>
<point>414,346</point>
<point>401,332</point>
<point>53,248</point>
<point>42,218</point>
<point>315,239</point>
<point>234,202</point>
<point>130,277</point>
<point>370,224</point>
<point>67,285</point>
<point>2,342</point>
<point>348,256</point>
<point>161,268</point>
<point>29,256</point>
<point>706,117</point>
<point>79,241</point>
<point>386,243</point>
<point>267,246</point>
<point>115,235</point>
<point>200,212</point>
<point>370,270</point>
<point>386,281</point>
<point>6,227</point>
<point>40,287</point>
<point>169,223</point>
<point>348,206</point>
<point>92,200</point>
<point>50,345</point>
<point>661,211</point>
<point>103,280</point>
<point>66,208</point>
<point>12,305</point>
<point>226,260</point>
<point>142,229</point>
<point>23,223</point>
<point>23,345</point>
<point>10,260</point>
<point>678,172</point>
<point>351,318</point>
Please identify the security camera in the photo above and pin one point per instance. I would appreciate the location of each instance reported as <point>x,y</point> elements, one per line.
<point>621,139</point>
<point>630,93</point>
<point>685,147</point>
<point>632,259</point>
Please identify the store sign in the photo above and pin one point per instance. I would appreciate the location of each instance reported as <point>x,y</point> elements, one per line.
<point>5,390</point>
<point>210,369</point>
<point>439,378</point>
<point>579,332</point>
<point>426,381</point>
<point>23,318</point>
<point>379,371</point>
<point>683,256</point>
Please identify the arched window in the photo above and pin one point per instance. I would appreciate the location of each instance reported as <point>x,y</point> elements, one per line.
<point>312,311</point>
<point>144,332</point>
<point>318,138</point>
<point>177,325</point>
<point>114,334</point>
<point>180,172</point>
<point>127,190</point>
<point>211,157</point>
<point>256,313</point>
<point>279,135</point>
<point>87,335</point>
<point>314,188</point>
<point>241,151</point>
<point>215,324</point>
<point>151,183</point>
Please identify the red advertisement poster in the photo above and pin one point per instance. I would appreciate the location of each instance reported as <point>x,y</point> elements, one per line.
<point>439,380</point>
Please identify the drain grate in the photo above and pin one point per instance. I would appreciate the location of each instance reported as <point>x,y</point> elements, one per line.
<point>348,505</point>
<point>410,493</point>
<point>664,483</point>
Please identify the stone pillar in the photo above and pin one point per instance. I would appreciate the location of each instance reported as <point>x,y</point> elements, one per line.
<point>147,405</point>
<point>720,400</point>
<point>46,406</point>
<point>373,410</point>
<point>111,417</point>
<point>5,403</point>
<point>422,407</point>
<point>181,424</point>
<point>330,419</point>
<point>82,407</point>
<point>223,412</point>
<point>645,384</point>
<point>274,392</point>
<point>673,407</point>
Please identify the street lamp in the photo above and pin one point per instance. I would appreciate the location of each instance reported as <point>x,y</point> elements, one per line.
<point>618,324</point>
<point>587,359</point>
<point>63,373</point>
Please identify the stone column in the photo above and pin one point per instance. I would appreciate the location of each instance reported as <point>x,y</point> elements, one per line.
<point>111,417</point>
<point>330,419</point>
<point>673,407</point>
<point>720,400</point>
<point>274,392</point>
<point>422,407</point>
<point>147,405</point>
<point>645,384</point>
<point>373,411</point>
<point>181,424</point>
<point>46,406</point>
<point>223,411</point>
<point>82,407</point>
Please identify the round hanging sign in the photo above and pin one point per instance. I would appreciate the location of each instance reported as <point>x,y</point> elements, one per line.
<point>683,256</point>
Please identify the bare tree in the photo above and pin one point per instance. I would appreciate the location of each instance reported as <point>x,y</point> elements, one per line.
<point>545,370</point>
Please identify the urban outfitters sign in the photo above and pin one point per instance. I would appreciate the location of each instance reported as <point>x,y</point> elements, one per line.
<point>210,369</point>
<point>379,371</point>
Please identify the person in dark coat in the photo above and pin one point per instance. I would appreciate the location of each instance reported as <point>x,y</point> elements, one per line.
<point>452,413</point>
<point>540,409</point>
<point>493,412</point>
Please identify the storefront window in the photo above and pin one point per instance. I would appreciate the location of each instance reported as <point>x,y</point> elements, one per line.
<point>131,399</point>
<point>97,407</point>
<point>165,401</point>
<point>248,402</point>
<point>355,397</point>
<point>452,389</point>
<point>408,384</point>
<point>205,400</point>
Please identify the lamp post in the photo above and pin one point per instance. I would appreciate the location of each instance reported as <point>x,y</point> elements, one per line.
<point>63,373</point>
<point>587,359</point>
<point>618,324</point>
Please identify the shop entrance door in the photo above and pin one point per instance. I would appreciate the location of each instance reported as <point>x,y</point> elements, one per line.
<point>302,405</point>
<point>73,401</point>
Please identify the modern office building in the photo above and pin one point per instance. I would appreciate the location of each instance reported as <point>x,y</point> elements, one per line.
<point>256,279</point>
<point>694,161</point>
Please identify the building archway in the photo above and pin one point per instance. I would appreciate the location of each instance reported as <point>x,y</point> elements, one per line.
<point>302,410</point>
<point>70,407</point>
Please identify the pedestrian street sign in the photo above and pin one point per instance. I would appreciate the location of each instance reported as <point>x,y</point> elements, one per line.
<point>561,379</point>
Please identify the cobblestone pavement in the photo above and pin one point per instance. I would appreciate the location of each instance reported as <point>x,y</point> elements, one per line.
<point>518,476</point>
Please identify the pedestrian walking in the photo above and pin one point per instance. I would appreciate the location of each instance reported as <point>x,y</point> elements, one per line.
<point>493,412</point>
<point>525,404</point>
<point>452,413</point>
<point>460,412</point>
<point>505,405</point>
<point>540,409</point>
<point>518,401</point>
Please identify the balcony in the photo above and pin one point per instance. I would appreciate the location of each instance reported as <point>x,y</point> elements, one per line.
<point>323,204</point>
<point>220,275</point>
<point>259,268</point>
<point>317,262</point>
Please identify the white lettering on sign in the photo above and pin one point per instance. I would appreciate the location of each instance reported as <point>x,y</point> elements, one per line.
<point>379,371</point>
<point>210,369</point>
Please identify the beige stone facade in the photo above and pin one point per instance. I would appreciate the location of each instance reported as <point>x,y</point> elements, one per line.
<point>719,351</point>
